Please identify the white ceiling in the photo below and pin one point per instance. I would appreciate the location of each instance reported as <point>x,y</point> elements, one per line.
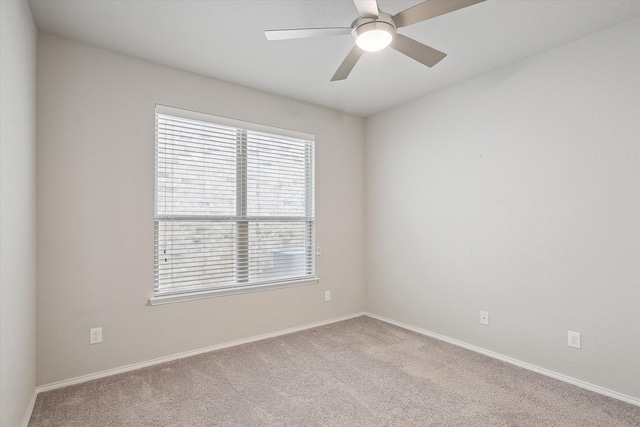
<point>225,40</point>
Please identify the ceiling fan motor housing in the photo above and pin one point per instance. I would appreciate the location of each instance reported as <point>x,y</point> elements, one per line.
<point>364,27</point>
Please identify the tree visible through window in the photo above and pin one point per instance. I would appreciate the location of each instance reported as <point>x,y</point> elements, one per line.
<point>234,204</point>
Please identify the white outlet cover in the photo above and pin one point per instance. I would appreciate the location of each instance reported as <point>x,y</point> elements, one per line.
<point>95,335</point>
<point>327,295</point>
<point>484,317</point>
<point>573,339</point>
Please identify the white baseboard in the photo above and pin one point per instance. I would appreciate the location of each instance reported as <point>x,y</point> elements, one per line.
<point>29,411</point>
<point>519,363</point>
<point>516,362</point>
<point>134,366</point>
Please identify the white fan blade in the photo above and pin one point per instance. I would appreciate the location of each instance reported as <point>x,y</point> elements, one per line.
<point>416,50</point>
<point>367,8</point>
<point>429,9</point>
<point>303,33</point>
<point>348,64</point>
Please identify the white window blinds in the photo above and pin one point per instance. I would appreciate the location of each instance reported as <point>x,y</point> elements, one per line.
<point>234,204</point>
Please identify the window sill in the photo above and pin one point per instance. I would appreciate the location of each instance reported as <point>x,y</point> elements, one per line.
<point>213,293</point>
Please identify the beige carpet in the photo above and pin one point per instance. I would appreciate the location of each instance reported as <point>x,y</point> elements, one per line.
<point>360,372</point>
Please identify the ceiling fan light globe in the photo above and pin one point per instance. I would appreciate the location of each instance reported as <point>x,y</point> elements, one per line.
<point>373,41</point>
<point>374,36</point>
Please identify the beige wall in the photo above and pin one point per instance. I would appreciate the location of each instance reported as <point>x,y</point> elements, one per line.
<point>95,210</point>
<point>518,193</point>
<point>17,212</point>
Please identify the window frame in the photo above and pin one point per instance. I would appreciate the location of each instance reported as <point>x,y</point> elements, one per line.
<point>237,288</point>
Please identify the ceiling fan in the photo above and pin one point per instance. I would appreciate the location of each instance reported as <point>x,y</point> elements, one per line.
<point>374,30</point>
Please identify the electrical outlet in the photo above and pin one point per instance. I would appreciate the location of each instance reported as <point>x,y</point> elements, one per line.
<point>484,317</point>
<point>318,251</point>
<point>95,335</point>
<point>574,339</point>
<point>327,295</point>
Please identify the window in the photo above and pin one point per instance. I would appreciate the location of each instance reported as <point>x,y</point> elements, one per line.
<point>234,207</point>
